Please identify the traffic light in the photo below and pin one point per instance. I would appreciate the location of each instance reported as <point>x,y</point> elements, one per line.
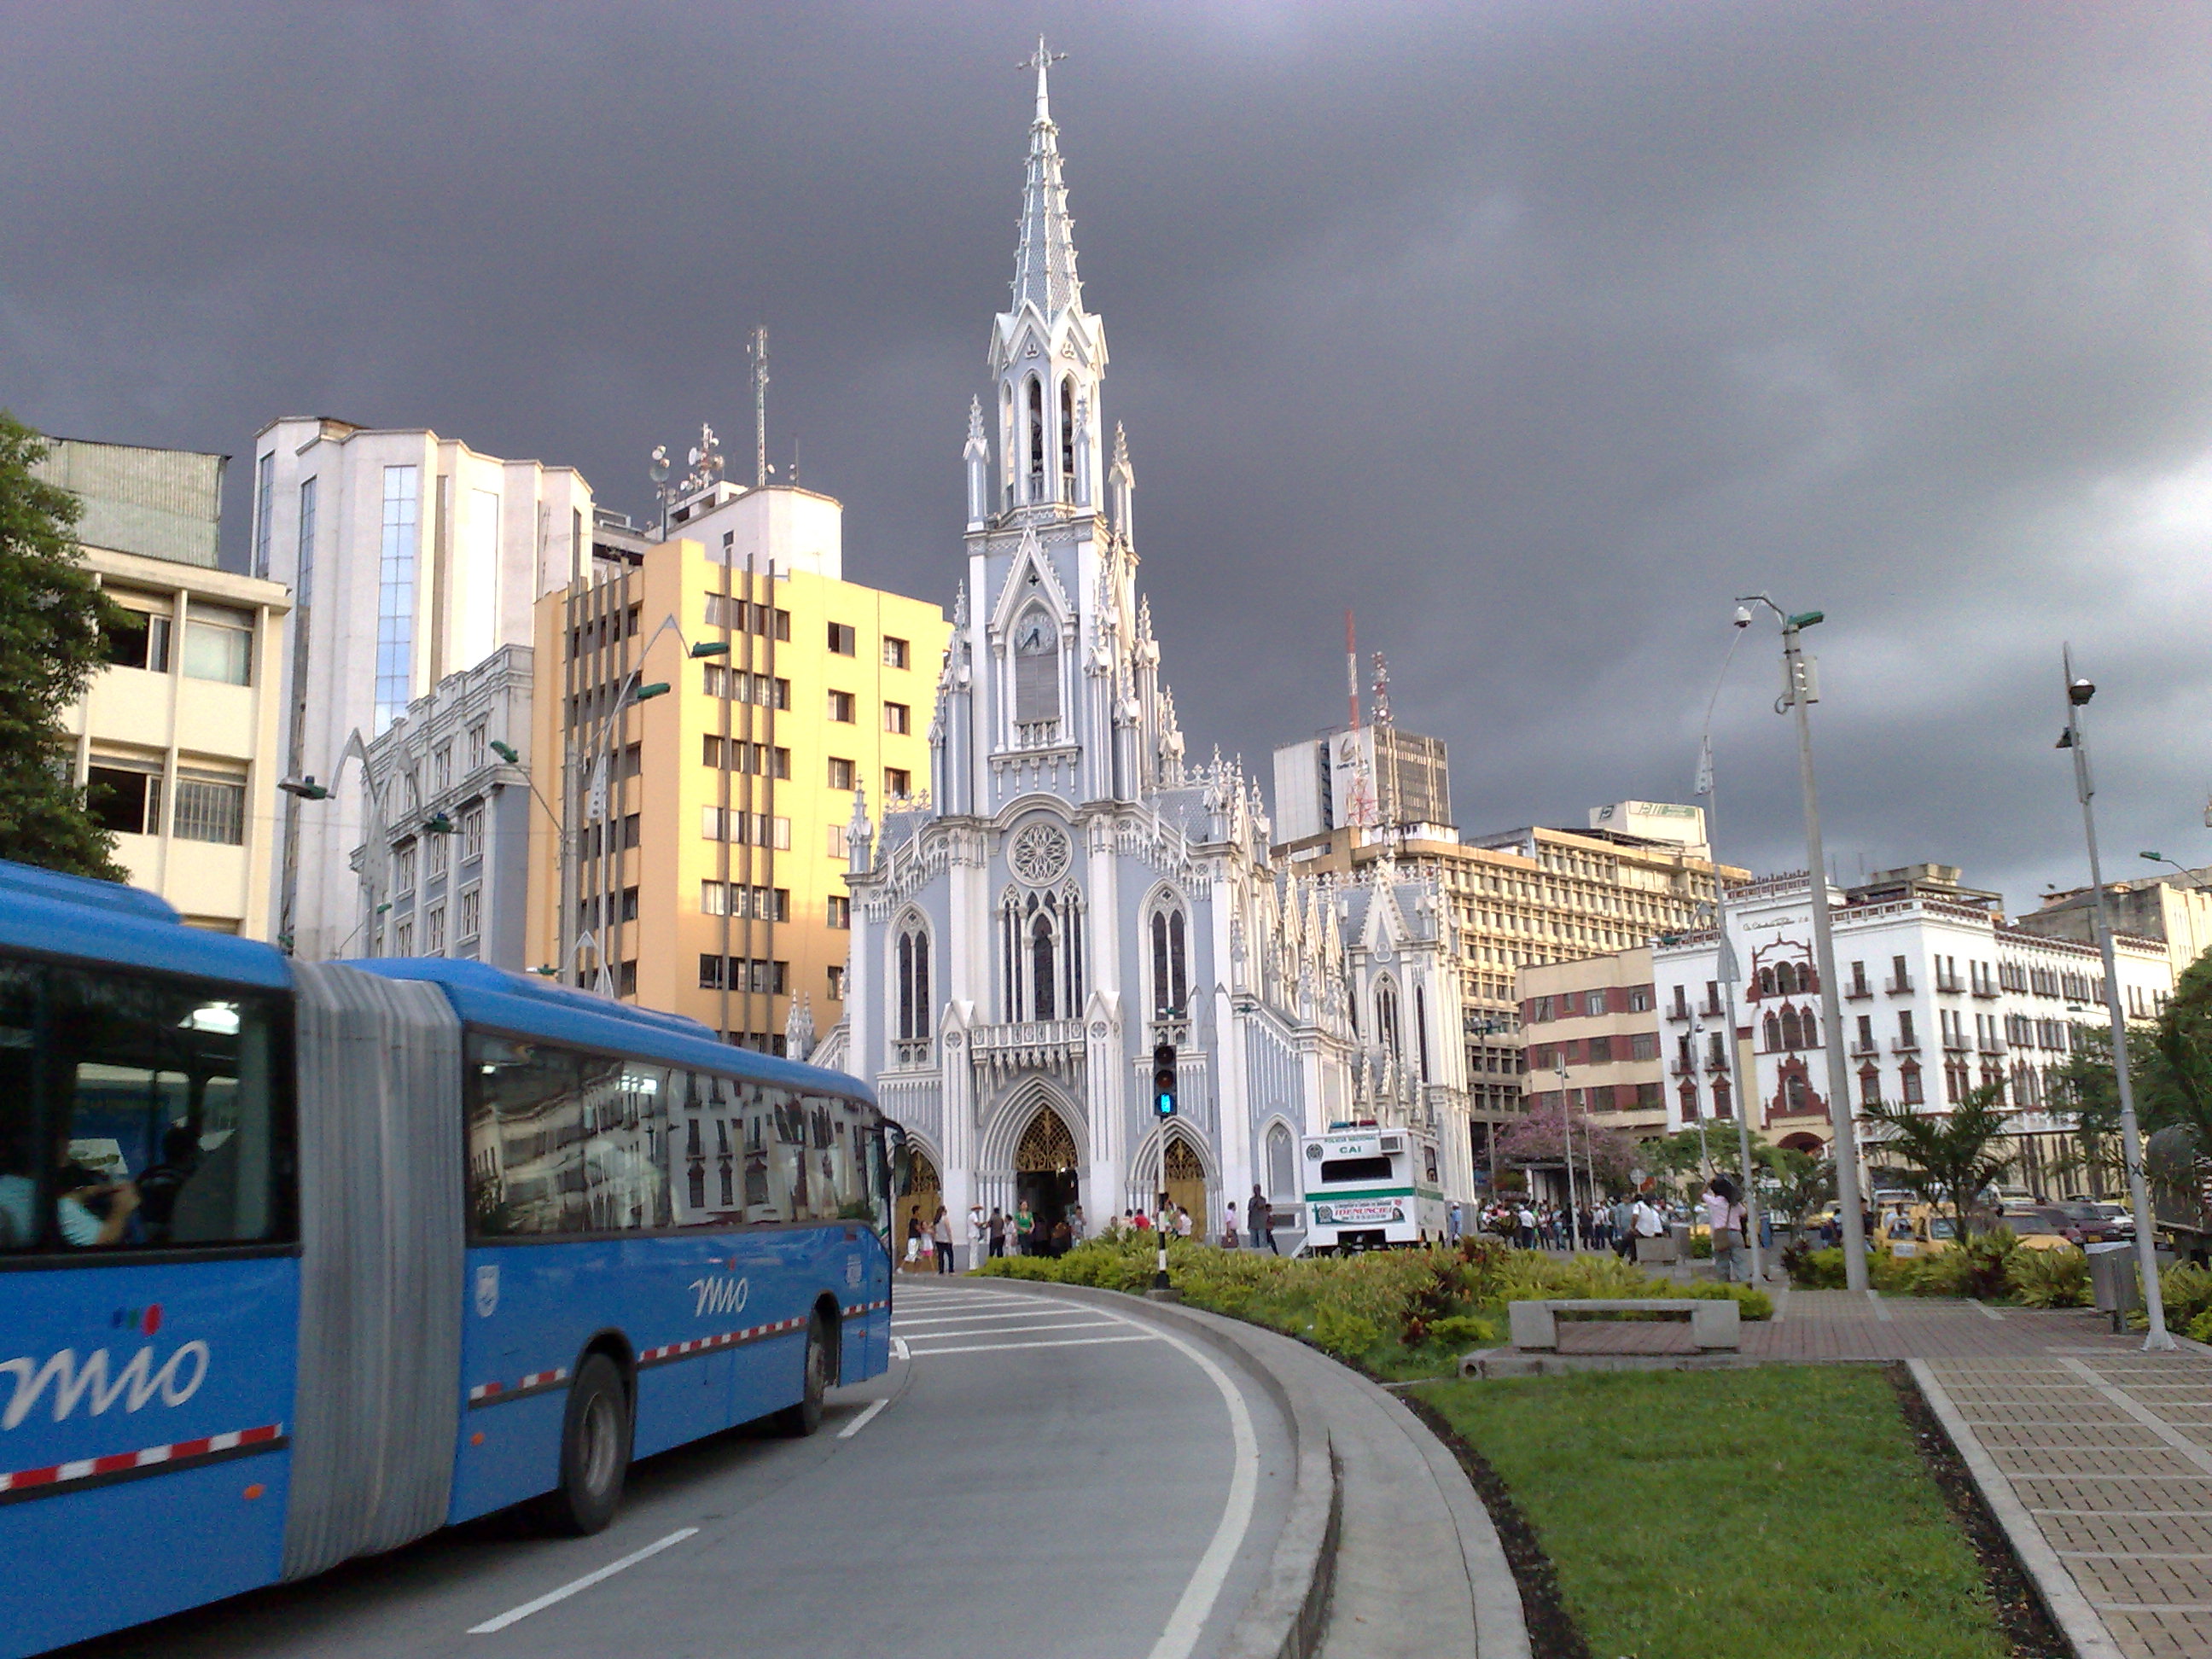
<point>1164,1080</point>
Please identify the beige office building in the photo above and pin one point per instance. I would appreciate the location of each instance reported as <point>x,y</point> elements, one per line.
<point>707,874</point>
<point>1591,1028</point>
<point>177,739</point>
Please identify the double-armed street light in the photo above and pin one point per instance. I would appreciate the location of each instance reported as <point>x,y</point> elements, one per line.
<point>1799,691</point>
<point>2075,737</point>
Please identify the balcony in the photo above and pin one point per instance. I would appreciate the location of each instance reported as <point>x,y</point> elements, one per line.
<point>1683,1065</point>
<point>1711,1009</point>
<point>1050,1045</point>
<point>1898,986</point>
<point>912,1054</point>
<point>1866,1048</point>
<point>1678,1012</point>
<point>1950,984</point>
<point>1905,1045</point>
<point>1857,991</point>
<point>1994,1045</point>
<point>1956,1042</point>
<point>1986,989</point>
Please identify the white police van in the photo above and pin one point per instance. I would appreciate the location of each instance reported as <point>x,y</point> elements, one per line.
<point>1368,1188</point>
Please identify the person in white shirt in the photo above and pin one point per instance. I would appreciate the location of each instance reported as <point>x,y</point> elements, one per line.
<point>1649,1224</point>
<point>979,1236</point>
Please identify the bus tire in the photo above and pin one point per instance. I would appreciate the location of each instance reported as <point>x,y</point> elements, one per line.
<point>595,1439</point>
<point>802,1419</point>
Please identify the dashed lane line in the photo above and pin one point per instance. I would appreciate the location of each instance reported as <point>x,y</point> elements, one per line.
<point>862,1421</point>
<point>491,1625</point>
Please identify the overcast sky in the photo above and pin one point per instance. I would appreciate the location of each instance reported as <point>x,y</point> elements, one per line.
<point>1537,332</point>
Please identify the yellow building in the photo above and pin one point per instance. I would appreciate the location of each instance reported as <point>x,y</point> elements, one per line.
<point>722,700</point>
<point>178,737</point>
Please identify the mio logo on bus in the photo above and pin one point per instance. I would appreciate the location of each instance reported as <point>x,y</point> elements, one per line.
<point>720,1295</point>
<point>177,1380</point>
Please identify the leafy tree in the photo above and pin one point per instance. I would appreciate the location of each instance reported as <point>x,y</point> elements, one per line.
<point>1803,1182</point>
<point>1541,1136</point>
<point>1951,1155</point>
<point>52,612</point>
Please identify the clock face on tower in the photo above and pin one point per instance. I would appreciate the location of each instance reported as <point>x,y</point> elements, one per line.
<point>1032,638</point>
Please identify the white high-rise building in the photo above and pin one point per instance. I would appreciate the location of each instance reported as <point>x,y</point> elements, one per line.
<point>1074,892</point>
<point>410,557</point>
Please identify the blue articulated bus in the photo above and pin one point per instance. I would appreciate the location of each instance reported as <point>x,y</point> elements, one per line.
<point>301,1261</point>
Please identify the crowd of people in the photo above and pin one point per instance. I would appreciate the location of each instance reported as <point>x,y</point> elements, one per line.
<point>1632,1225</point>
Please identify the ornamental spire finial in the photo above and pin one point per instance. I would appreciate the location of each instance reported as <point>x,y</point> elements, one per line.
<point>1044,264</point>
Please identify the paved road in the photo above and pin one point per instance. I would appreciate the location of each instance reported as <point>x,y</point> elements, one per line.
<point>1035,1476</point>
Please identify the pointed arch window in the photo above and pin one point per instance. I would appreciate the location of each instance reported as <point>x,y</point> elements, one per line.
<point>1171,965</point>
<point>1033,394</point>
<point>1386,1018</point>
<point>1767,981</point>
<point>1421,1033</point>
<point>913,982</point>
<point>1043,965</point>
<point>1007,431</point>
<point>1282,1165</point>
<point>1789,1031</point>
<point>1785,978</point>
<point>1773,1029</point>
<point>1036,668</point>
<point>1067,438</point>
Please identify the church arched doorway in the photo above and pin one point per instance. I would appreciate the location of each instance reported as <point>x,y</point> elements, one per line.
<point>924,1194</point>
<point>1183,1179</point>
<point>1044,1169</point>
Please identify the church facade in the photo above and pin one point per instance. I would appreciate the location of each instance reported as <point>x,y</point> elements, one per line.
<point>1075,889</point>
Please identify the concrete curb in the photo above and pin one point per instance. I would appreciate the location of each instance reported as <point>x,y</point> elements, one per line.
<point>2069,1609</point>
<point>1288,1614</point>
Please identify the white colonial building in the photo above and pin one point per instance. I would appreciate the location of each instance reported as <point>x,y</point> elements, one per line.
<point>1939,997</point>
<point>1075,890</point>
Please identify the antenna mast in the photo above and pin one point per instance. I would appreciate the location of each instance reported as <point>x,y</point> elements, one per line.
<point>759,352</point>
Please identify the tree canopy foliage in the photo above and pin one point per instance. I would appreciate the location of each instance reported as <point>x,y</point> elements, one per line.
<point>1947,1158</point>
<point>52,612</point>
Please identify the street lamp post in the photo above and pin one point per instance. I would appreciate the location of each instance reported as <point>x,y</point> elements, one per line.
<point>1567,1138</point>
<point>2158,1339</point>
<point>1798,693</point>
<point>1724,962</point>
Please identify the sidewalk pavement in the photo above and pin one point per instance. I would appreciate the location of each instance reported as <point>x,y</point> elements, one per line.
<point>2095,1456</point>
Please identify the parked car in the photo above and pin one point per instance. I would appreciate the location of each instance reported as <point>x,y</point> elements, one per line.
<point>2042,1227</point>
<point>2094,1222</point>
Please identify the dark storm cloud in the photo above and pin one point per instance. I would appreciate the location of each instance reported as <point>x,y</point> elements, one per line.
<point>1537,332</point>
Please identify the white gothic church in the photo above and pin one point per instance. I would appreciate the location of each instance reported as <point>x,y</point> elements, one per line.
<point>1075,889</point>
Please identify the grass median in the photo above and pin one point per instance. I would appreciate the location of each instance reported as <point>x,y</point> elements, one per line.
<point>1778,1510</point>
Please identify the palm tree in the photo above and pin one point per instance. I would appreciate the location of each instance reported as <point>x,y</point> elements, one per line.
<point>1952,1154</point>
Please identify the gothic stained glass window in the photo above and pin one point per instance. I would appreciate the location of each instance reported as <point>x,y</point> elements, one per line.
<point>1036,669</point>
<point>1385,1019</point>
<point>913,983</point>
<point>1171,965</point>
<point>1044,1005</point>
<point>1034,396</point>
<point>1067,438</point>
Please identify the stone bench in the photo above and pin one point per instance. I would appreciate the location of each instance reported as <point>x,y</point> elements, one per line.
<point>1714,1324</point>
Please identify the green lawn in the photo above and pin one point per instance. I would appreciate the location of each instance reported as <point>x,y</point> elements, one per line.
<point>1778,1512</point>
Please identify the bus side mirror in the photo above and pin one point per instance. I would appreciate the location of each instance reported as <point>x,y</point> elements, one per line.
<point>902,1161</point>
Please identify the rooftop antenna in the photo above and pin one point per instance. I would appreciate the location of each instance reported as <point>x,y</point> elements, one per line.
<point>1359,810</point>
<point>759,352</point>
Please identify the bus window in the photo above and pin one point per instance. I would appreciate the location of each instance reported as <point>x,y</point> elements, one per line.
<point>623,1105</point>
<point>157,1109</point>
<point>843,1164</point>
<point>524,1121</point>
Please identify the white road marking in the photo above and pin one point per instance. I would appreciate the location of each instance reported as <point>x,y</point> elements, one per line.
<point>1063,1342</point>
<point>1058,1309</point>
<point>861,1421</point>
<point>898,1348</point>
<point>583,1583</point>
<point>1011,1330</point>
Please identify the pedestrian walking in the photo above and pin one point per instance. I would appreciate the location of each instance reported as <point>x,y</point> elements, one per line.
<point>1648,1224</point>
<point>1229,1236</point>
<point>1024,1228</point>
<point>1255,1214</point>
<point>979,1236</point>
<point>1181,1222</point>
<point>1624,1226</point>
<point>941,1239</point>
<point>997,1227</point>
<point>1075,1223</point>
<point>1524,1222</point>
<point>1452,1222</point>
<point>913,1242</point>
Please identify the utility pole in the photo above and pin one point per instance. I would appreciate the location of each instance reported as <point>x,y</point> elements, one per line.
<point>1799,693</point>
<point>2158,1339</point>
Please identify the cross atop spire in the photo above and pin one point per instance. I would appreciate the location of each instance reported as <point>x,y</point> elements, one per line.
<point>1044,262</point>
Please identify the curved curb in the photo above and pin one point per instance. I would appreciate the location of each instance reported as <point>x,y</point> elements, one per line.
<point>2078,1621</point>
<point>1287,1613</point>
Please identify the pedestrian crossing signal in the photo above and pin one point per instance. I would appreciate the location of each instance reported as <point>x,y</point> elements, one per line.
<point>1164,1080</point>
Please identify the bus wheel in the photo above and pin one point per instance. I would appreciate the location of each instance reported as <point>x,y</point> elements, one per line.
<point>802,1419</point>
<point>594,1449</point>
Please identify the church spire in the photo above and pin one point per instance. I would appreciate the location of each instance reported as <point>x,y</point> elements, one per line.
<point>1044,262</point>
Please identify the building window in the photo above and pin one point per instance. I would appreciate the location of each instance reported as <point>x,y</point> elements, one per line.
<point>139,638</point>
<point>1643,1045</point>
<point>1594,1002</point>
<point>840,910</point>
<point>442,767</point>
<point>1909,1086</point>
<point>841,707</point>
<point>755,828</point>
<point>843,641</point>
<point>264,489</point>
<point>895,653</point>
<point>1539,1011</point>
<point>434,932</point>
<point>125,797</point>
<point>913,955</point>
<point>899,783</point>
<point>403,937</point>
<point>210,809</point>
<point>395,594</point>
<point>473,836</point>
<point>472,913</point>
<point>1601,1051</point>
<point>1171,966</point>
<point>719,680</point>
<point>441,852</point>
<point>736,899</point>
<point>219,644</point>
<point>898,718</point>
<point>836,983</point>
<point>477,740</point>
<point>838,842</point>
<point>403,869</point>
<point>841,773</point>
